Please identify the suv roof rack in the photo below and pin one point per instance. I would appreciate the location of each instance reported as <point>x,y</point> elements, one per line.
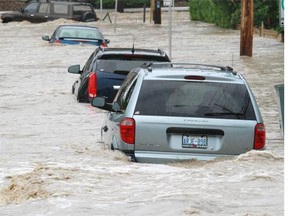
<point>229,69</point>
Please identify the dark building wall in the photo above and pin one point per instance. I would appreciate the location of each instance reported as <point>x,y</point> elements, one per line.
<point>10,5</point>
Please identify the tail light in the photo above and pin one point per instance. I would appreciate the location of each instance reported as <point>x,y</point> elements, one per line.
<point>92,85</point>
<point>58,41</point>
<point>127,130</point>
<point>103,44</point>
<point>260,136</point>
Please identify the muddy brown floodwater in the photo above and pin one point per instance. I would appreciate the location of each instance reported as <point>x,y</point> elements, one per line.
<point>52,161</point>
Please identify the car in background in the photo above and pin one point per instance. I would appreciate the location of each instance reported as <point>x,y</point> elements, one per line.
<point>77,34</point>
<point>106,69</point>
<point>42,11</point>
<point>179,112</point>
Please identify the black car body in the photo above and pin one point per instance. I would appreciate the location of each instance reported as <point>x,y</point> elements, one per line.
<point>106,69</point>
<point>43,11</point>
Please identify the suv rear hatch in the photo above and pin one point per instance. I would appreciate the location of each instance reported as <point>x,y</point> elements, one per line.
<point>112,69</point>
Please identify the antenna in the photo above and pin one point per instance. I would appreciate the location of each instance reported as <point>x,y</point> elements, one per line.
<point>133,49</point>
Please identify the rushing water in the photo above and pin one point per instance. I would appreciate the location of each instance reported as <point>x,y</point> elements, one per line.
<point>52,161</point>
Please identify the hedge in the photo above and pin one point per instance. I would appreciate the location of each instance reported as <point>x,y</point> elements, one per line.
<point>227,13</point>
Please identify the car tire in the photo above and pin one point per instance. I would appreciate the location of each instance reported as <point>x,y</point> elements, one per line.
<point>88,17</point>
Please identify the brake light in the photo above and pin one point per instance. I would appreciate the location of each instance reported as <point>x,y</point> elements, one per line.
<point>127,130</point>
<point>259,136</point>
<point>92,85</point>
<point>194,77</point>
<point>58,41</point>
<point>103,44</point>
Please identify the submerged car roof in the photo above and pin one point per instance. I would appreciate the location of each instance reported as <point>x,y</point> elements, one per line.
<point>151,52</point>
<point>77,26</point>
<point>63,2</point>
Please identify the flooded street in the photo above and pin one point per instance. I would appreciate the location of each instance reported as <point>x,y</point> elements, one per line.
<point>52,161</point>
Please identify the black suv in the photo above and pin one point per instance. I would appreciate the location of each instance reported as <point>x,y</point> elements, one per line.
<point>106,69</point>
<point>38,11</point>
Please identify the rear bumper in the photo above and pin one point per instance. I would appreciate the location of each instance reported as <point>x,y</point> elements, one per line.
<point>166,157</point>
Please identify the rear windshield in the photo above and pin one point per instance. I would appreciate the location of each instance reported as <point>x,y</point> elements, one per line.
<point>125,63</point>
<point>80,33</point>
<point>195,99</point>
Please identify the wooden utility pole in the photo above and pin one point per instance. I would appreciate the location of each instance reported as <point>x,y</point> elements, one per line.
<point>246,43</point>
<point>152,6</point>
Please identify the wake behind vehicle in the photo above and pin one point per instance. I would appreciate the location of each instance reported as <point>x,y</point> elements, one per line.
<point>77,34</point>
<point>106,69</point>
<point>37,11</point>
<point>170,112</point>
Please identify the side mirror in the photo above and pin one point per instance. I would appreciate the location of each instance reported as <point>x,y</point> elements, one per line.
<point>74,69</point>
<point>45,38</point>
<point>107,41</point>
<point>100,102</point>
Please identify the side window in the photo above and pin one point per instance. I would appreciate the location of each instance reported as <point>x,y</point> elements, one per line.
<point>31,8</point>
<point>126,90</point>
<point>88,66</point>
<point>44,8</point>
<point>61,9</point>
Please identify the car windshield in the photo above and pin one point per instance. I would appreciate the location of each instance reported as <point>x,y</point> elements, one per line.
<point>194,99</point>
<point>80,33</point>
<point>125,63</point>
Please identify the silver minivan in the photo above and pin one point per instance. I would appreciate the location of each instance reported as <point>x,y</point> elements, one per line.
<point>170,112</point>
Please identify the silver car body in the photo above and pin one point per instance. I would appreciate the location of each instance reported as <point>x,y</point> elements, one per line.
<point>164,137</point>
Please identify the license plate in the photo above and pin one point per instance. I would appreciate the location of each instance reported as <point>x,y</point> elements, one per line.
<point>194,142</point>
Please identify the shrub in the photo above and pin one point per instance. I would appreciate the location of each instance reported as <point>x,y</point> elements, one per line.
<point>227,13</point>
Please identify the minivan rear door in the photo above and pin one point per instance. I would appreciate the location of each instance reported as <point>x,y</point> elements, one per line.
<point>181,119</point>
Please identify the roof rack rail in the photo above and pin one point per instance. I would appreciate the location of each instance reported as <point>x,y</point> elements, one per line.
<point>149,66</point>
<point>161,51</point>
<point>229,69</point>
<point>102,48</point>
